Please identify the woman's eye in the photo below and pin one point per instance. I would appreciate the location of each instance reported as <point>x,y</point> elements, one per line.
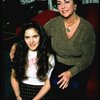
<point>58,4</point>
<point>26,37</point>
<point>67,1</point>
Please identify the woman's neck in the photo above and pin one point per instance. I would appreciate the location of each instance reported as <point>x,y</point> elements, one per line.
<point>70,23</point>
<point>71,19</point>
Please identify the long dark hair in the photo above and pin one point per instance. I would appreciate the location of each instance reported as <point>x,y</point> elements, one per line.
<point>20,58</point>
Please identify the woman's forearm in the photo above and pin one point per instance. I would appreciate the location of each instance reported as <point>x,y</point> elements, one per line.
<point>43,90</point>
<point>15,85</point>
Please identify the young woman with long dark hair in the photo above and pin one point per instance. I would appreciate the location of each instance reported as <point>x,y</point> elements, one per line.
<point>32,64</point>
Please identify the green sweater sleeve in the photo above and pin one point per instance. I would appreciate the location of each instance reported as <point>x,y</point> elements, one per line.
<point>88,48</point>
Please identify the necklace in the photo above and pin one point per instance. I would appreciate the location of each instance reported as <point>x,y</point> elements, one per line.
<point>68,29</point>
<point>68,26</point>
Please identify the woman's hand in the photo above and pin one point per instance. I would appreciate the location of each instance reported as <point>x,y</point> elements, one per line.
<point>35,99</point>
<point>19,98</point>
<point>64,79</point>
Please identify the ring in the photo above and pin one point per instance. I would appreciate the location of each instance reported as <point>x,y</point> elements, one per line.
<point>66,83</point>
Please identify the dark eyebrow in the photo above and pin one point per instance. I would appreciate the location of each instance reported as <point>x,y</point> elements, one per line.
<point>32,36</point>
<point>35,35</point>
<point>58,1</point>
<point>26,36</point>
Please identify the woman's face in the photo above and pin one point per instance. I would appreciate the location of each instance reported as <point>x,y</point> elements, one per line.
<point>66,7</point>
<point>32,38</point>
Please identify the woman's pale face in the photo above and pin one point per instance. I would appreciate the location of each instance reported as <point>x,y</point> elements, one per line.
<point>66,7</point>
<point>32,38</point>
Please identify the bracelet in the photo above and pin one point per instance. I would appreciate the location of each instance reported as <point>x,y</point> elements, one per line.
<point>17,96</point>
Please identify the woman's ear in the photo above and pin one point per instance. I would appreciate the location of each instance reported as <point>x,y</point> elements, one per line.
<point>75,8</point>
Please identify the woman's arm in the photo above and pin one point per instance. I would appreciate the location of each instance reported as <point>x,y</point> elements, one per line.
<point>43,91</point>
<point>47,85</point>
<point>15,85</point>
<point>12,51</point>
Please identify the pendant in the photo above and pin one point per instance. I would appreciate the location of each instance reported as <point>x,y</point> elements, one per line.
<point>68,29</point>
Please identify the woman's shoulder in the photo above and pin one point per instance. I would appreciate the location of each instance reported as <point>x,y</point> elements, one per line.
<point>51,59</point>
<point>86,27</point>
<point>53,21</point>
<point>85,22</point>
<point>51,56</point>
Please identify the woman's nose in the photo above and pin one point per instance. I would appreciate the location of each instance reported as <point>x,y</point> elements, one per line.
<point>31,40</point>
<point>63,5</point>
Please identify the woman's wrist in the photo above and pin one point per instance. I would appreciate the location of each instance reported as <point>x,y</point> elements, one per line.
<point>17,96</point>
<point>35,98</point>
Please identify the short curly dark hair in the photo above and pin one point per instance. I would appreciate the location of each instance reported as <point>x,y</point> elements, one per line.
<point>54,2</point>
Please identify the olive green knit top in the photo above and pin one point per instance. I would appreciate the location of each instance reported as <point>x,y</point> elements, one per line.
<point>79,50</point>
